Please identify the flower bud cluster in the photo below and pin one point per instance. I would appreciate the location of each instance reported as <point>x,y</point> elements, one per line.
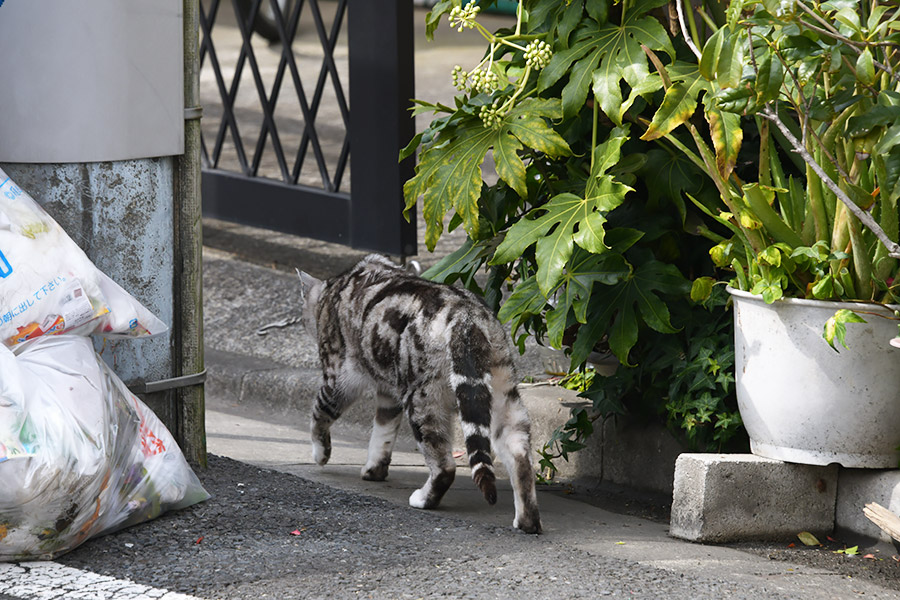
<point>462,18</point>
<point>491,116</point>
<point>477,81</point>
<point>537,54</point>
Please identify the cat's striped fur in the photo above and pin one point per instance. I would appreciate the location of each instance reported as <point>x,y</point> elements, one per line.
<point>429,351</point>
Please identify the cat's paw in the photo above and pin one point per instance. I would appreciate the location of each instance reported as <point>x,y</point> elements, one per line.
<point>321,453</point>
<point>375,472</point>
<point>419,499</point>
<point>528,524</point>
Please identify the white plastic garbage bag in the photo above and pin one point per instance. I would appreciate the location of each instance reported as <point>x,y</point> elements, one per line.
<point>79,454</point>
<point>49,286</point>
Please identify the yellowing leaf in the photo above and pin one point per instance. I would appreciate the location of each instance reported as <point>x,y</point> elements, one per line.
<point>727,136</point>
<point>808,539</point>
<point>680,100</point>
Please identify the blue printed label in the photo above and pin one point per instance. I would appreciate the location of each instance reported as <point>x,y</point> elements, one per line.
<point>5,268</point>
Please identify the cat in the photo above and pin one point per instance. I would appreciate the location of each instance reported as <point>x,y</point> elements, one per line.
<point>427,350</point>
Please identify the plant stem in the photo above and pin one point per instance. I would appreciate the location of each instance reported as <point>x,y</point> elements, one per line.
<point>594,135</point>
<point>853,44</point>
<point>684,32</point>
<point>866,219</point>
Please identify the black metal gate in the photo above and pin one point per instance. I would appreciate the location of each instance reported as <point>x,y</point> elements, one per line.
<point>277,136</point>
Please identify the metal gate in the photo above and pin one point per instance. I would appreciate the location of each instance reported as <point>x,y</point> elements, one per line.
<point>279,134</point>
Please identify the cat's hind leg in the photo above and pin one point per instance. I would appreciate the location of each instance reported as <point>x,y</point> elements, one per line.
<point>331,401</point>
<point>388,415</point>
<point>511,433</point>
<point>431,427</point>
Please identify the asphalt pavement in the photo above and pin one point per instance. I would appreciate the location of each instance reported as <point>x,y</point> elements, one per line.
<point>278,526</point>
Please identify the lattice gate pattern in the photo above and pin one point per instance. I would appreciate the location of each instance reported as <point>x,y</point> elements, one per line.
<point>280,117</point>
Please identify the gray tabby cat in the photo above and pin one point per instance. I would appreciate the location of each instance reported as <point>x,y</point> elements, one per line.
<point>427,350</point>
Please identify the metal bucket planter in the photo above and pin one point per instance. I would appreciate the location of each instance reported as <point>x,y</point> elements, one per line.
<point>803,402</point>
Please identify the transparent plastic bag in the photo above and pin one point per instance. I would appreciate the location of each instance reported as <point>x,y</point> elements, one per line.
<point>49,286</point>
<point>80,455</point>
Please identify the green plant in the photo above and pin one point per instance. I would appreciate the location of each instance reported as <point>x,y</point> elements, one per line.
<point>685,379</point>
<point>586,233</point>
<point>817,85</point>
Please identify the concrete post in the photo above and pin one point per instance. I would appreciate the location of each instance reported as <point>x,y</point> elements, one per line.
<point>94,128</point>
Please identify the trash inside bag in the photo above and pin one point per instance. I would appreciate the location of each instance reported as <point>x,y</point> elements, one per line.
<point>80,455</point>
<point>49,286</point>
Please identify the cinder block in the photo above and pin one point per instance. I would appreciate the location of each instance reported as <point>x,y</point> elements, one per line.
<point>741,497</point>
<point>858,487</point>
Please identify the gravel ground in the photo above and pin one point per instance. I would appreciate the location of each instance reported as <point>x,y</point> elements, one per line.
<point>240,544</point>
<point>876,563</point>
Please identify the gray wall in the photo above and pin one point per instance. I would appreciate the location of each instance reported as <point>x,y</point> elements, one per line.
<point>90,80</point>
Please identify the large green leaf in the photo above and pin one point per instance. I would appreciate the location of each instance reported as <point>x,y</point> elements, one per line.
<point>449,174</point>
<point>672,174</point>
<point>556,226</point>
<point>601,56</point>
<point>466,258</point>
<point>616,311</point>
<point>525,301</point>
<point>606,155</point>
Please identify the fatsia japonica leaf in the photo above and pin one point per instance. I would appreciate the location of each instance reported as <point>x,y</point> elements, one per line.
<point>673,174</point>
<point>449,174</point>
<point>525,301</point>
<point>583,271</point>
<point>602,55</point>
<point>557,226</point>
<point>606,155</point>
<point>616,311</point>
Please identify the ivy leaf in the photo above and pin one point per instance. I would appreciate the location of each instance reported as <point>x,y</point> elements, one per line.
<point>769,290</point>
<point>449,174</point>
<point>556,226</point>
<point>836,328</point>
<point>617,311</point>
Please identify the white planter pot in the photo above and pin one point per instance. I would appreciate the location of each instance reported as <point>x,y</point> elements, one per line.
<point>803,402</point>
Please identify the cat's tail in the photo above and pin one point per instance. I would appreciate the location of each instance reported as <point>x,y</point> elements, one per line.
<point>470,379</point>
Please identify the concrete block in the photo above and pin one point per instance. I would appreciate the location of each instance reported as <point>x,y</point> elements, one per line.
<point>858,487</point>
<point>739,497</point>
<point>640,456</point>
<point>620,451</point>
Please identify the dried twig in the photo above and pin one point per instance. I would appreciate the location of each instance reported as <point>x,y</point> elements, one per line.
<point>684,31</point>
<point>887,521</point>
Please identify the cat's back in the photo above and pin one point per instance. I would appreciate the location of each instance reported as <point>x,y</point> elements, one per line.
<point>377,302</point>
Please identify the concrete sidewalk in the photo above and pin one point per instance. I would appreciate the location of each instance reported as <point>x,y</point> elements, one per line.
<point>257,412</point>
<point>579,526</point>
